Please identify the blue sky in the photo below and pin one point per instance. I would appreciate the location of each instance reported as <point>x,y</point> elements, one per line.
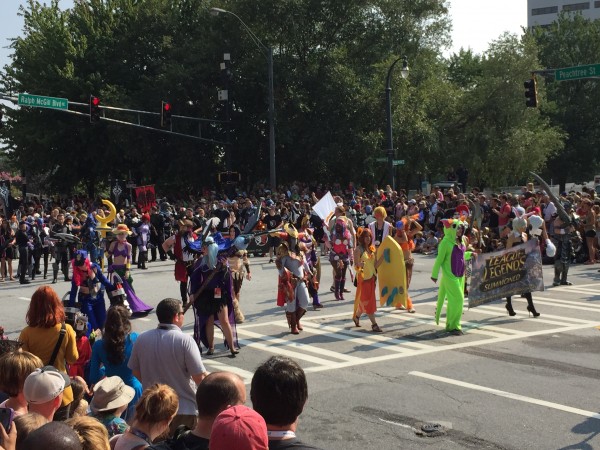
<point>475,22</point>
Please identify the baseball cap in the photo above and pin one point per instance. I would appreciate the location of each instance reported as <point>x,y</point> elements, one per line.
<point>239,427</point>
<point>111,393</point>
<point>45,384</point>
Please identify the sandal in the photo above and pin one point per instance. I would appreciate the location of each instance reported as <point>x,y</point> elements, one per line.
<point>376,328</point>
<point>356,322</point>
<point>412,311</point>
<point>210,351</point>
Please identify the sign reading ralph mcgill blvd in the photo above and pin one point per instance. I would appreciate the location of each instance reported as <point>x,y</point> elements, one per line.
<point>39,101</point>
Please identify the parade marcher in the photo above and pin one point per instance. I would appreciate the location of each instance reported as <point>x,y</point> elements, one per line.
<point>517,236</point>
<point>564,246</point>
<point>273,221</point>
<point>143,239</point>
<point>157,234</point>
<point>22,241</point>
<point>37,234</point>
<point>340,256</point>
<point>7,251</point>
<point>212,297</point>
<point>61,249</point>
<point>132,220</point>
<point>240,269</point>
<point>293,292</point>
<point>366,266</point>
<point>90,238</point>
<point>307,239</point>
<point>120,252</point>
<point>380,228</point>
<point>176,247</point>
<point>405,230</point>
<point>451,259</point>
<point>84,286</point>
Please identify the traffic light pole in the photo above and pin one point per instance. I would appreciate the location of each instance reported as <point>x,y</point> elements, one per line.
<point>390,142</point>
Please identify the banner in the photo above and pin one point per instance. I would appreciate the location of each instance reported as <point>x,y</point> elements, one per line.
<point>145,197</point>
<point>325,207</point>
<point>508,272</point>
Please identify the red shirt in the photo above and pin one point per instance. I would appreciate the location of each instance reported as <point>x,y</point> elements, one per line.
<point>502,221</point>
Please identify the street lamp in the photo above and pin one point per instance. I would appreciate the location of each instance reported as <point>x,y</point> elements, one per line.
<point>388,101</point>
<point>268,52</point>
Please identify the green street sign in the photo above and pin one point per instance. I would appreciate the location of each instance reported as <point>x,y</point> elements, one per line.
<point>39,101</point>
<point>398,162</point>
<point>380,159</point>
<point>577,72</point>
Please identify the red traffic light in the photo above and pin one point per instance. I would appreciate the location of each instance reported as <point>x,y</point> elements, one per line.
<point>95,101</point>
<point>167,107</point>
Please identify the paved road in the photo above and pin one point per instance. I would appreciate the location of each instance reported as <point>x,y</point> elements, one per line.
<point>508,383</point>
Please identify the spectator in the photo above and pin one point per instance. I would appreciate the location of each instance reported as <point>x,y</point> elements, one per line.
<point>27,423</point>
<point>217,392</point>
<point>111,397</point>
<point>79,407</point>
<point>53,435</point>
<point>430,244</point>
<point>15,367</point>
<point>153,414</point>
<point>240,428</point>
<point>43,390</point>
<point>111,354</point>
<point>279,392</point>
<point>167,355</point>
<point>48,337</point>
<point>92,435</point>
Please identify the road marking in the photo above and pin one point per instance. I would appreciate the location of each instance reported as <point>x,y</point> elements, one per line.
<point>292,354</point>
<point>576,290</point>
<point>245,374</point>
<point>143,319</point>
<point>449,347</point>
<point>509,395</point>
<point>552,303</point>
<point>403,425</point>
<point>292,343</point>
<point>559,320</point>
<point>27,299</point>
<point>570,302</point>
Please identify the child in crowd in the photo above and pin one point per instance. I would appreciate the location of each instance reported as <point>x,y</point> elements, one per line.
<point>430,244</point>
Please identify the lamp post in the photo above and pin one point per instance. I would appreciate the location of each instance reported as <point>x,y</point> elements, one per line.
<point>268,52</point>
<point>388,102</point>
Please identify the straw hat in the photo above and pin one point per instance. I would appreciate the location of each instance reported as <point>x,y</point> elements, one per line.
<point>121,229</point>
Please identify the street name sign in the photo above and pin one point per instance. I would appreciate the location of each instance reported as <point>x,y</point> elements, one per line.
<point>577,72</point>
<point>39,101</point>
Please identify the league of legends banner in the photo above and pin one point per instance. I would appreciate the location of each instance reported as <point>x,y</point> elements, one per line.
<point>507,272</point>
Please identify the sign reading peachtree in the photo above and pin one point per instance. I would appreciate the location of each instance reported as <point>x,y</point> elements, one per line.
<point>577,72</point>
<point>39,101</point>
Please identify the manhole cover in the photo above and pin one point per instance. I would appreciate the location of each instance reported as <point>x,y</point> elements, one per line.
<point>431,430</point>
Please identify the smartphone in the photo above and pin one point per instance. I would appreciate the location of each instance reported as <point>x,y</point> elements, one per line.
<point>6,418</point>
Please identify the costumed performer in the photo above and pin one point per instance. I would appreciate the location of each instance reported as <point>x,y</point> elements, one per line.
<point>292,291</point>
<point>380,228</point>
<point>405,239</point>
<point>143,239</point>
<point>339,256</point>
<point>366,264</point>
<point>176,247</point>
<point>240,269</point>
<point>564,246</point>
<point>451,259</point>
<point>307,238</point>
<point>84,285</point>
<point>519,235</point>
<point>211,294</point>
<point>120,252</point>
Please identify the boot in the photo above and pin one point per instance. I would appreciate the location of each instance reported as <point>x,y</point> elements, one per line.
<point>65,271</point>
<point>144,258</point>
<point>563,279</point>
<point>237,312</point>
<point>316,303</point>
<point>342,284</point>
<point>299,314</point>
<point>291,317</point>
<point>557,271</point>
<point>509,308</point>
<point>530,306</point>
<point>336,289</point>
<point>54,275</point>
<point>45,272</point>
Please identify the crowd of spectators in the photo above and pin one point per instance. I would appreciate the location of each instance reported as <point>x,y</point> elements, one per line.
<point>148,391</point>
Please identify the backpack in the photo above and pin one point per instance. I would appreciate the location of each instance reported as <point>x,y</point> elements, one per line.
<point>175,443</point>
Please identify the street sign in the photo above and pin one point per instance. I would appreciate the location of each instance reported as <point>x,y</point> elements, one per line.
<point>381,159</point>
<point>398,162</point>
<point>577,72</point>
<point>39,101</point>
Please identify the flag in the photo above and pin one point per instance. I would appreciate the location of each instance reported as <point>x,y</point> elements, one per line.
<point>325,207</point>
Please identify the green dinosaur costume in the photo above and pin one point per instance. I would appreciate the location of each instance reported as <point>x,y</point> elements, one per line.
<point>451,259</point>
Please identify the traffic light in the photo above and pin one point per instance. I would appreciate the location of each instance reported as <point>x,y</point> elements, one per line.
<point>165,115</point>
<point>531,93</point>
<point>94,109</point>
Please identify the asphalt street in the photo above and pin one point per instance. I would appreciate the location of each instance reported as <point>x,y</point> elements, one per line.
<point>507,383</point>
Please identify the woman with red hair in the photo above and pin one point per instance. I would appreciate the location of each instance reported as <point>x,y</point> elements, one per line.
<point>46,322</point>
<point>366,265</point>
